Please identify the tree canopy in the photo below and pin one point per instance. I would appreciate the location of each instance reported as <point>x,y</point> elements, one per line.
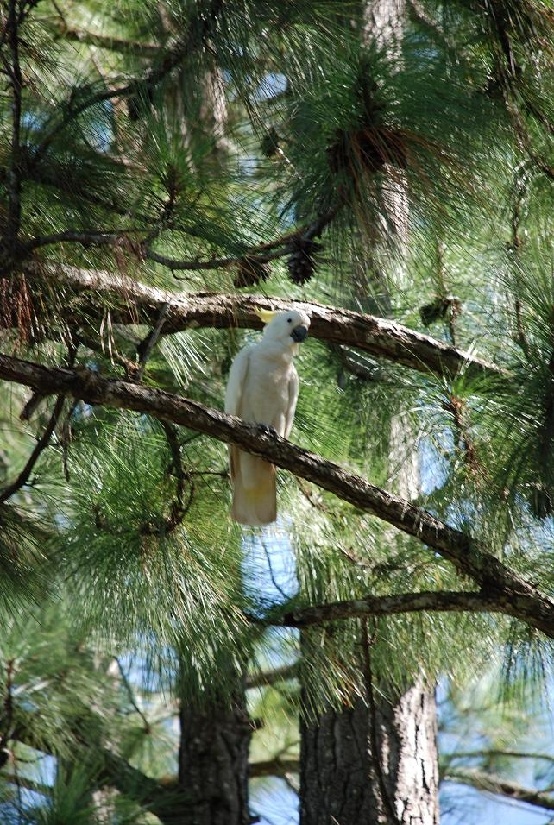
<point>167,169</point>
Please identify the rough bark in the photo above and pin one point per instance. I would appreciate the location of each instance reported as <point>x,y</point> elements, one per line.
<point>374,763</point>
<point>213,762</point>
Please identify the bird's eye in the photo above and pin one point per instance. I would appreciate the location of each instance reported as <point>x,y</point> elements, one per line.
<point>289,320</point>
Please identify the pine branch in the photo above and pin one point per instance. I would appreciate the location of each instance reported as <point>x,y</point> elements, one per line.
<point>110,769</point>
<point>279,766</point>
<point>178,508</point>
<point>270,677</point>
<point>195,35</point>
<point>259,254</point>
<point>428,601</point>
<point>40,446</point>
<point>495,753</point>
<point>113,44</point>
<point>210,263</point>
<point>512,593</point>
<point>377,336</point>
<point>482,781</point>
<point>131,695</point>
<point>145,347</point>
<point>85,237</point>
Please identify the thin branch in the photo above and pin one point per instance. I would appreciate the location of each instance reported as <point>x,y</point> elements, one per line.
<point>278,766</point>
<point>116,357</point>
<point>282,246</point>
<point>259,254</point>
<point>161,795</point>
<point>509,592</point>
<point>497,753</point>
<point>114,44</point>
<point>131,695</point>
<point>7,731</point>
<point>482,781</point>
<point>270,677</point>
<point>146,346</point>
<point>28,784</point>
<point>210,263</point>
<point>272,576</point>
<point>377,336</point>
<point>40,446</point>
<point>178,507</point>
<point>85,237</point>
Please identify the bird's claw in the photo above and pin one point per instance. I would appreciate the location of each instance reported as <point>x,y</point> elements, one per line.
<point>267,429</point>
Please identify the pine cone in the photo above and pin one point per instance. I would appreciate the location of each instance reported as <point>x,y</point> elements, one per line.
<point>301,261</point>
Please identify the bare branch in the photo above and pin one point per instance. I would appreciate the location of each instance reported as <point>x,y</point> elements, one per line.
<point>482,781</point>
<point>132,698</point>
<point>114,44</point>
<point>377,336</point>
<point>512,594</point>
<point>488,753</point>
<point>146,346</point>
<point>428,601</point>
<point>279,766</point>
<point>270,677</point>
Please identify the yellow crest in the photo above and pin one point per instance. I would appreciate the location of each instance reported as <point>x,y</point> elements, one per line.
<point>265,315</point>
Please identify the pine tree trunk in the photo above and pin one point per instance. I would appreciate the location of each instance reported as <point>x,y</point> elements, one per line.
<point>375,762</point>
<point>373,765</point>
<point>213,763</point>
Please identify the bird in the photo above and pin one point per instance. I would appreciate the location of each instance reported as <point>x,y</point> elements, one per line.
<point>263,389</point>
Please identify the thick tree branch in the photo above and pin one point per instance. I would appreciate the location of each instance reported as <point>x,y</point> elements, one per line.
<point>484,782</point>
<point>370,605</point>
<point>513,594</point>
<point>378,336</point>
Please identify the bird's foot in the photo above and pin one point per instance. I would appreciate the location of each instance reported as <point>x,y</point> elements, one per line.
<point>267,429</point>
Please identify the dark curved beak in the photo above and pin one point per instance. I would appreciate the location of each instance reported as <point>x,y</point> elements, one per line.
<point>299,334</point>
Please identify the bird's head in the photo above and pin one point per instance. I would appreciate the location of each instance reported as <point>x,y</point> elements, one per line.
<point>281,326</point>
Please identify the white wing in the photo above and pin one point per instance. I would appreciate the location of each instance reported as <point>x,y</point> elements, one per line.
<point>293,398</point>
<point>237,378</point>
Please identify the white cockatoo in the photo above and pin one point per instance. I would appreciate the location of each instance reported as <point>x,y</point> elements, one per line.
<point>263,388</point>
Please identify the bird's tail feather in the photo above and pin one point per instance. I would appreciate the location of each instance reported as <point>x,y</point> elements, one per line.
<point>254,489</point>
